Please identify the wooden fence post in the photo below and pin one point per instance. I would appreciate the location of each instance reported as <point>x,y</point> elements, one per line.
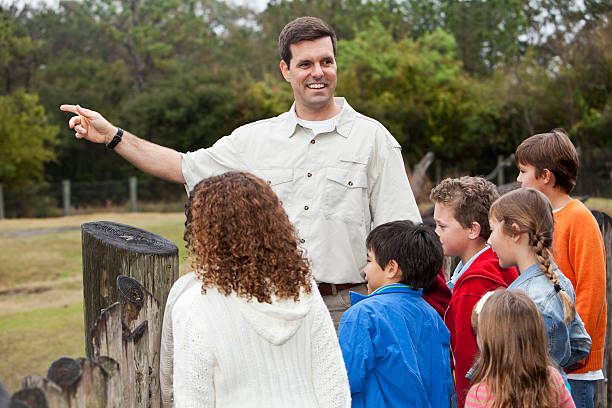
<point>66,196</point>
<point>111,249</point>
<point>603,392</point>
<point>123,340</point>
<point>1,203</point>
<point>133,193</point>
<point>500,173</point>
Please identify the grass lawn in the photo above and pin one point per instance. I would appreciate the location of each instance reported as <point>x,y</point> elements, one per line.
<point>601,204</point>
<point>30,341</point>
<point>41,290</point>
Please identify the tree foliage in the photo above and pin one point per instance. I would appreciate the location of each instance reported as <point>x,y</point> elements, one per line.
<point>26,139</point>
<point>467,80</point>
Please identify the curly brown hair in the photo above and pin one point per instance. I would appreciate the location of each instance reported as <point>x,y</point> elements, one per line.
<point>242,240</point>
<point>470,198</point>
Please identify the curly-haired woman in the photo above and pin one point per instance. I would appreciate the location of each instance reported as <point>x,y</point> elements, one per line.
<point>248,328</point>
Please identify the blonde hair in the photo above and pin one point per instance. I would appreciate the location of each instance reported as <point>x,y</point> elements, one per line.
<point>513,360</point>
<point>526,210</point>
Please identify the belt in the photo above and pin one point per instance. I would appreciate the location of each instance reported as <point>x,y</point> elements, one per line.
<point>326,289</point>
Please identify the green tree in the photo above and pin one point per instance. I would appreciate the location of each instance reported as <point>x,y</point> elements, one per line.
<point>418,90</point>
<point>26,139</point>
<point>488,32</point>
<point>19,54</point>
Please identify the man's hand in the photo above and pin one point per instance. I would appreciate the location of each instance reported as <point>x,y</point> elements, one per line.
<point>89,124</point>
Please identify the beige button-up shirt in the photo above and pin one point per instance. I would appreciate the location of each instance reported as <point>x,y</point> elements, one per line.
<point>334,186</point>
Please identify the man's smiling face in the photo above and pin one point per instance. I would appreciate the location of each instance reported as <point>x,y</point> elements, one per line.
<point>312,74</point>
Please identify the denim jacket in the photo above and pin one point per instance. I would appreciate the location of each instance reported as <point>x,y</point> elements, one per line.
<point>567,344</point>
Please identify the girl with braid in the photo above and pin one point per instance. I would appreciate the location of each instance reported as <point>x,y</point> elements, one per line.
<point>522,235</point>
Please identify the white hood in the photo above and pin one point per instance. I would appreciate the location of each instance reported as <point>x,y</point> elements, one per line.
<point>278,321</point>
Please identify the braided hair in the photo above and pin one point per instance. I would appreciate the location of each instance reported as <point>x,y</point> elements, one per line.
<point>531,211</point>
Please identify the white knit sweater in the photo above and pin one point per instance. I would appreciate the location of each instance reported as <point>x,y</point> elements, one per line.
<point>223,351</point>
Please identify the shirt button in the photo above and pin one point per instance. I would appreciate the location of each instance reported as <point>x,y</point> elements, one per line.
<point>312,141</point>
<point>350,183</point>
<point>302,240</point>
<point>306,207</point>
<point>309,174</point>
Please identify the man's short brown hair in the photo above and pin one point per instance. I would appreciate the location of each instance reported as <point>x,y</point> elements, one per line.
<point>304,29</point>
<point>470,198</point>
<point>553,151</point>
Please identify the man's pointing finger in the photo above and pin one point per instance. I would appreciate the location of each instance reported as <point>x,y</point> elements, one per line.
<point>68,108</point>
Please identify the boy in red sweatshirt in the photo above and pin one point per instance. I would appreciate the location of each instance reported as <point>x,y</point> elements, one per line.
<point>461,214</point>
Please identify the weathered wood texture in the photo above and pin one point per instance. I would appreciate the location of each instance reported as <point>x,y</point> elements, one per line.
<point>123,323</point>
<point>111,249</point>
<point>603,393</point>
<point>124,368</point>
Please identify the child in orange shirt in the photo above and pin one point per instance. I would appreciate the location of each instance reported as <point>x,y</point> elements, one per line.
<point>548,162</point>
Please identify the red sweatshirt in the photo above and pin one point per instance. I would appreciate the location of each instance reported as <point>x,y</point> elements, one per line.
<point>483,275</point>
<point>437,294</point>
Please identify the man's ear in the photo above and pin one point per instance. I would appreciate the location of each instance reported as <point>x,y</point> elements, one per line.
<point>285,71</point>
<point>474,230</point>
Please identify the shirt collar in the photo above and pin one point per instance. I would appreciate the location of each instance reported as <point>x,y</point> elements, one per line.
<point>531,272</point>
<point>344,123</point>
<point>460,269</point>
<point>383,290</point>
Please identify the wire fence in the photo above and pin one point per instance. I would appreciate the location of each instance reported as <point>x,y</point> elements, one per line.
<point>66,198</point>
<point>149,194</point>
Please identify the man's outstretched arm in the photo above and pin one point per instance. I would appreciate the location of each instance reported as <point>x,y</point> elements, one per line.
<point>149,157</point>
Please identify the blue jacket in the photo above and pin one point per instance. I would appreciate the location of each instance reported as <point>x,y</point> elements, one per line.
<point>396,350</point>
<point>569,343</point>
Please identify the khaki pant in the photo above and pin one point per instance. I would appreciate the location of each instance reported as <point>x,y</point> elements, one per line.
<point>337,304</point>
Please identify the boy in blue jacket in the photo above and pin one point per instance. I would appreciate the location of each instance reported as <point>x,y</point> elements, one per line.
<point>395,345</point>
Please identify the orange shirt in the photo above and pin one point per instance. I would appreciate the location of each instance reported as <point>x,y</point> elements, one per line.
<point>579,252</point>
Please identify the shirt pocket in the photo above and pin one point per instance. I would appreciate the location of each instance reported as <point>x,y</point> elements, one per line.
<point>280,180</point>
<point>346,196</point>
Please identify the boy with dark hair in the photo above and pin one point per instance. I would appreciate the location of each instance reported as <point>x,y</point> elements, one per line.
<point>548,162</point>
<point>461,214</point>
<point>395,345</point>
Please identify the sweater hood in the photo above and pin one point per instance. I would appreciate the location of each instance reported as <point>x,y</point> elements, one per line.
<point>484,271</point>
<point>278,321</point>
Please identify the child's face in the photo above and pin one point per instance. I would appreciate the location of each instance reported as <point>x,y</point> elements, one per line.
<point>453,235</point>
<point>502,244</point>
<point>374,274</point>
<point>527,177</point>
